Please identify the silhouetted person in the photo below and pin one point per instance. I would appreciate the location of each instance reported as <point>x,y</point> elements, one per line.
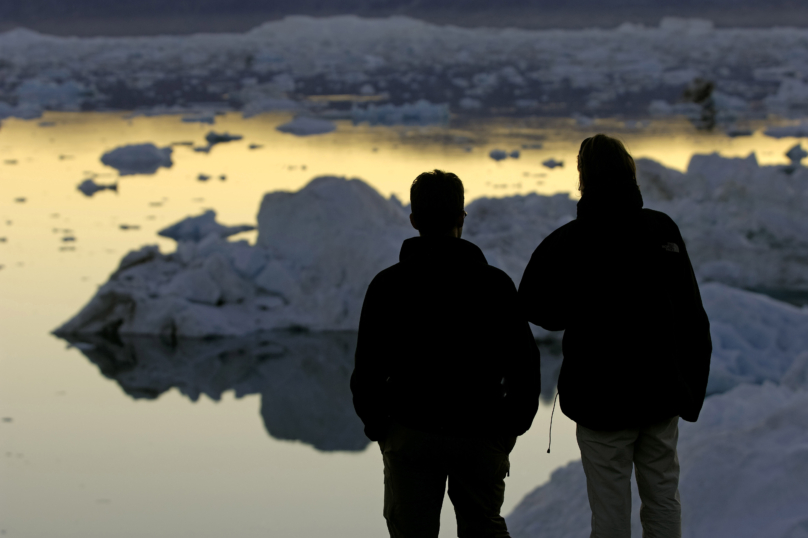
<point>447,372</point>
<point>637,343</point>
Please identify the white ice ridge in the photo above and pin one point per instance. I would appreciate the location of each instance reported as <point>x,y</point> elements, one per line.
<point>401,58</point>
<point>744,471</point>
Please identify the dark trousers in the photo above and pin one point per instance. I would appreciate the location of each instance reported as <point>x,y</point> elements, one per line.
<point>416,468</point>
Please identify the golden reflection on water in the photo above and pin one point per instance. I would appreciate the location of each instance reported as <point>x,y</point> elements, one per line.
<point>44,164</point>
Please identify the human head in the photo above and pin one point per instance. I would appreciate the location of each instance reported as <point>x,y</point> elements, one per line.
<point>437,201</point>
<point>604,164</point>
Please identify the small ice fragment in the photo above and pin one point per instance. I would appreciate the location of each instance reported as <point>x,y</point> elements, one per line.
<point>498,154</point>
<point>88,187</point>
<point>69,239</point>
<point>10,161</point>
<point>8,419</point>
<point>304,126</point>
<point>20,200</point>
<point>222,177</point>
<point>255,146</point>
<point>214,138</point>
<point>552,163</point>
<point>203,177</point>
<point>183,143</point>
<point>2,239</point>
<point>129,227</point>
<point>514,154</point>
<point>138,159</point>
<point>65,157</point>
<point>796,154</point>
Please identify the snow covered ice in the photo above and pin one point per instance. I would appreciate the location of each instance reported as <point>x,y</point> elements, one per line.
<point>138,159</point>
<point>631,69</point>
<point>317,249</point>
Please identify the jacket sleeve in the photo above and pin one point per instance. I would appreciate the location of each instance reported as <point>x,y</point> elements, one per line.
<point>371,367</point>
<point>544,291</point>
<point>694,334</point>
<point>522,380</point>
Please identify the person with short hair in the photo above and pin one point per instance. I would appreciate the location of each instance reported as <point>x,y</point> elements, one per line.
<point>446,374</point>
<point>636,345</point>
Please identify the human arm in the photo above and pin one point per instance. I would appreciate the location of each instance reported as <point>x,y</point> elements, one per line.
<point>371,366</point>
<point>544,297</point>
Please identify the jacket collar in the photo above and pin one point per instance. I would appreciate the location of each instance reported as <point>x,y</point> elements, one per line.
<point>612,204</point>
<point>441,249</point>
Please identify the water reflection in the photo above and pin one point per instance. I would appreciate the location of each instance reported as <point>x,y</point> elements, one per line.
<point>303,378</point>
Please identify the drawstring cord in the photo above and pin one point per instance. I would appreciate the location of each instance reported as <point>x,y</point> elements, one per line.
<point>550,442</point>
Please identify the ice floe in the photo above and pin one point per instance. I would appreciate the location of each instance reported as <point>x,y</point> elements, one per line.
<point>281,64</point>
<point>195,229</point>
<point>88,187</point>
<point>138,159</point>
<point>306,126</point>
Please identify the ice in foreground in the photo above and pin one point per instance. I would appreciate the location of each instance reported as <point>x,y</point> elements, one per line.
<point>744,472</point>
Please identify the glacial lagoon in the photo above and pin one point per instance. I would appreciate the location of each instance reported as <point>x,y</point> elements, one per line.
<point>247,436</point>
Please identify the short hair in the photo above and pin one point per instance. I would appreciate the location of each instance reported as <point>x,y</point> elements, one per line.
<point>604,164</point>
<point>437,199</point>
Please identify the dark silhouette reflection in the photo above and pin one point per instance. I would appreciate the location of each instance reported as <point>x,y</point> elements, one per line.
<point>303,378</point>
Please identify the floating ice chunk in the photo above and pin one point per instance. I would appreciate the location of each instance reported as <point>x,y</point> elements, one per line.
<point>127,227</point>
<point>498,154</point>
<point>138,159</point>
<point>88,187</point>
<point>421,112</point>
<point>213,138</point>
<point>514,154</point>
<point>203,177</point>
<point>197,228</point>
<point>796,154</point>
<point>306,126</point>
<point>552,163</point>
<point>256,146</point>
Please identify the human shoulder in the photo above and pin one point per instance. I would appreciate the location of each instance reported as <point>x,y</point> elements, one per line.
<point>386,277</point>
<point>660,220</point>
<point>562,235</point>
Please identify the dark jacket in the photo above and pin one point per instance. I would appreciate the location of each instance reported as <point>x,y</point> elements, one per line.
<point>618,280</point>
<point>442,347</point>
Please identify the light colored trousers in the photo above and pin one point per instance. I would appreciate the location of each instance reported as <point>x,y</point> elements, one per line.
<point>608,457</point>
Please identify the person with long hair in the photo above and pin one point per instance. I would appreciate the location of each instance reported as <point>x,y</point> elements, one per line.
<point>619,282</point>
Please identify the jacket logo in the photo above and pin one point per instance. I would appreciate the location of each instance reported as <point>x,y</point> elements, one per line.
<point>671,247</point>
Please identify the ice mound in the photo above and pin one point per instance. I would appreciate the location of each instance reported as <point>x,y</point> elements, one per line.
<point>744,224</point>
<point>195,229</point>
<point>305,126</point>
<point>480,70</point>
<point>744,474</point>
<point>138,159</point>
<point>303,378</point>
<point>755,338</point>
<point>317,250</point>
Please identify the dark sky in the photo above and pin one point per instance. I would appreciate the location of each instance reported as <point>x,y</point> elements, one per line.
<point>89,17</point>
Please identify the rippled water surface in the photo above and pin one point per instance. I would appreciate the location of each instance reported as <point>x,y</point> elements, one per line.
<point>237,437</point>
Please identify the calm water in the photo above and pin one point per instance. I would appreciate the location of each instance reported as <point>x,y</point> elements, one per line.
<point>249,437</point>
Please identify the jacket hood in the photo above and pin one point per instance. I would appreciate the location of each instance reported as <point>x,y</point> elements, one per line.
<point>441,249</point>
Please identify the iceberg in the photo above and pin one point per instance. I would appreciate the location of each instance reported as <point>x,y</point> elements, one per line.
<point>138,159</point>
<point>317,249</point>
